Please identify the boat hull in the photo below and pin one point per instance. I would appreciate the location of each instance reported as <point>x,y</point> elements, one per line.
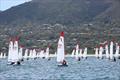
<point>61,65</point>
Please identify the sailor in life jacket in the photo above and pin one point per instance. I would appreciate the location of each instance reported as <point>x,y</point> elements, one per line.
<point>64,62</point>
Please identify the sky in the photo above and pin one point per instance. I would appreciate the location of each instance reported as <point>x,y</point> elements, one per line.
<point>6,4</point>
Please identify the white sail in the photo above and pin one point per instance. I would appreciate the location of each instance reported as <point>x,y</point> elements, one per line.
<point>60,48</point>
<point>85,53</point>
<point>47,53</point>
<point>4,55</point>
<point>80,53</point>
<point>20,53</point>
<point>111,50</point>
<point>96,52</point>
<point>42,54</point>
<point>73,53</point>
<point>10,51</point>
<point>38,54</point>
<point>101,52</point>
<point>26,53</point>
<point>34,53</point>
<point>55,54</point>
<point>31,54</point>
<point>106,51</point>
<point>77,52</point>
<point>1,55</point>
<point>117,50</point>
<point>15,56</point>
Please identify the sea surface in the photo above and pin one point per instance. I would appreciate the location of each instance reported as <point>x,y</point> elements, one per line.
<point>89,69</point>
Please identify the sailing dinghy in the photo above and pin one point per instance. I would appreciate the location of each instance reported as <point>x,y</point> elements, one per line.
<point>47,53</point>
<point>73,53</point>
<point>60,51</point>
<point>101,52</point>
<point>107,51</point>
<point>77,53</point>
<point>117,51</point>
<point>85,53</point>
<point>26,54</point>
<point>20,53</point>
<point>13,56</point>
<point>96,52</point>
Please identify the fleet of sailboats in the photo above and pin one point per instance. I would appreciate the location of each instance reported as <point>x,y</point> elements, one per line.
<point>108,50</point>
<point>79,53</point>
<point>16,53</point>
<point>2,55</point>
<point>13,54</point>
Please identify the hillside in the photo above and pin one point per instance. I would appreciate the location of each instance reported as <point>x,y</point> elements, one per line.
<point>111,14</point>
<point>39,22</point>
<point>66,12</point>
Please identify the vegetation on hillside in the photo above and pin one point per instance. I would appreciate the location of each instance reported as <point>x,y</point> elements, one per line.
<point>38,23</point>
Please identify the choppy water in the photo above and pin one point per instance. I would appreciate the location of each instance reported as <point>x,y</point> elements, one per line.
<point>90,69</point>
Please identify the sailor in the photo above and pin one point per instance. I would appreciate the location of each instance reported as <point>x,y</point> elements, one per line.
<point>12,63</point>
<point>48,59</point>
<point>64,63</point>
<point>18,63</point>
<point>114,59</point>
<point>78,58</point>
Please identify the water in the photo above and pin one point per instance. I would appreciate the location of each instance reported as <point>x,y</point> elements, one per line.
<point>90,69</point>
